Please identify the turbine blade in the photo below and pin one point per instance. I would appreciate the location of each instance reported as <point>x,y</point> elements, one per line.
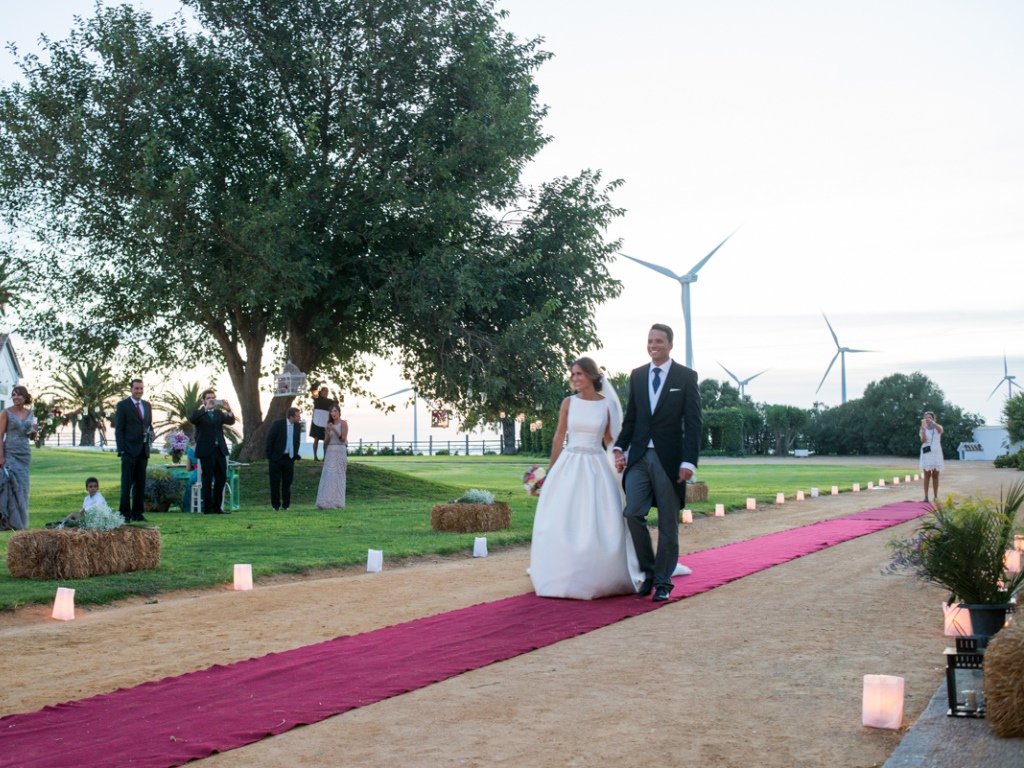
<point>830,330</point>
<point>735,378</point>
<point>704,261</point>
<point>407,389</point>
<point>861,350</point>
<point>998,386</point>
<point>655,267</point>
<point>1006,371</point>
<point>747,381</point>
<point>826,372</point>
<point>1015,384</point>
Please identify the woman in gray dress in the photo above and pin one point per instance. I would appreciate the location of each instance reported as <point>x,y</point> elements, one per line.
<point>331,493</point>
<point>18,427</point>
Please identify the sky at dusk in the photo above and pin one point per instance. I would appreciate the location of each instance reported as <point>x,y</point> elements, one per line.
<point>870,156</point>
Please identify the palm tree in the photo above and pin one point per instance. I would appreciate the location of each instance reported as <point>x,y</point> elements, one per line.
<point>178,406</point>
<point>90,394</point>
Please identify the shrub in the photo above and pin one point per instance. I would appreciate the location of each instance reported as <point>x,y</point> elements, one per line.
<point>442,452</point>
<point>1011,460</point>
<point>475,496</point>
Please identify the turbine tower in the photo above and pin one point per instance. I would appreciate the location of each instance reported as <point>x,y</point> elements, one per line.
<point>840,353</point>
<point>741,384</point>
<point>684,281</point>
<point>1010,383</point>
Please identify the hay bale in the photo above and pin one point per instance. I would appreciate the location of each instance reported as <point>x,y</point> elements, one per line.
<point>696,492</point>
<point>73,553</point>
<point>471,518</point>
<point>1004,681</point>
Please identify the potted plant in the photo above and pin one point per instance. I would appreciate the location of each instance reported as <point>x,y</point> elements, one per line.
<point>162,490</point>
<point>962,547</point>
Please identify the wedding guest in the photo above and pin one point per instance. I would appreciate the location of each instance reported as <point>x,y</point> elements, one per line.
<point>331,493</point>
<point>133,435</point>
<point>282,449</point>
<point>212,450</point>
<point>931,454</point>
<point>92,498</point>
<point>18,427</point>
<point>322,404</point>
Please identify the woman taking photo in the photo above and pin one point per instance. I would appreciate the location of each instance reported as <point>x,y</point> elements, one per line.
<point>931,454</point>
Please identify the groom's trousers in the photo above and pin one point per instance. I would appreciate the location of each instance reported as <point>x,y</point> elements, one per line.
<point>646,483</point>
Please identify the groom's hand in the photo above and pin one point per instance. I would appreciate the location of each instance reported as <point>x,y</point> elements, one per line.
<point>685,474</point>
<point>620,461</point>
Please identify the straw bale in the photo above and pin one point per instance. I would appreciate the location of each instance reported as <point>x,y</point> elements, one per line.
<point>73,553</point>
<point>471,518</point>
<point>1004,681</point>
<point>696,492</point>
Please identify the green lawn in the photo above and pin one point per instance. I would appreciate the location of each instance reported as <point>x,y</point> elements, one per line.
<point>389,501</point>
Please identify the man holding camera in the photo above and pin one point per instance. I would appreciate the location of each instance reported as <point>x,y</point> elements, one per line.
<point>212,450</point>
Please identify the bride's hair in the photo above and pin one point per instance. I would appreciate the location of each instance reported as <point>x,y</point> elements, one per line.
<point>590,369</point>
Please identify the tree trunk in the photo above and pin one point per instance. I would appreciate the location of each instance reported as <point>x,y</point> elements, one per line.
<point>508,436</point>
<point>88,432</point>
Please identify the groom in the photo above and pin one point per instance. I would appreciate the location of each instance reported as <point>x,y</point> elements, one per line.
<point>661,435</point>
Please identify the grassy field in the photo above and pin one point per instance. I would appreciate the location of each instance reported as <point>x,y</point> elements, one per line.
<point>389,501</point>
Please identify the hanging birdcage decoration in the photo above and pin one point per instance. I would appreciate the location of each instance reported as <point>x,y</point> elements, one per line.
<point>439,419</point>
<point>290,382</point>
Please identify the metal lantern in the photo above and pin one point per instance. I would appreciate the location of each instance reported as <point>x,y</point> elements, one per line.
<point>290,382</point>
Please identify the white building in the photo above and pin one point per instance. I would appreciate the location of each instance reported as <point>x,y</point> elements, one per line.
<point>10,370</point>
<point>989,442</point>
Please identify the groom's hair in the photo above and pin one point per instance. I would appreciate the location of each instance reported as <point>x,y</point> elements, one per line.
<point>589,367</point>
<point>664,329</point>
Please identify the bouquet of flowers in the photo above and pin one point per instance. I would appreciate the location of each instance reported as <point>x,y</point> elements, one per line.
<point>177,444</point>
<point>533,479</point>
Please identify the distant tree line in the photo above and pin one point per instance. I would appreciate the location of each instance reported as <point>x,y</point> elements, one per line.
<point>884,422</point>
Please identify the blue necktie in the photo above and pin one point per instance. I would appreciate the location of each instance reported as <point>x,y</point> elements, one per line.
<point>211,415</point>
<point>657,380</point>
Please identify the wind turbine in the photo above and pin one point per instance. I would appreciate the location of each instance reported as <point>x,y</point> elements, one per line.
<point>741,384</point>
<point>1010,383</point>
<point>684,281</point>
<point>841,353</point>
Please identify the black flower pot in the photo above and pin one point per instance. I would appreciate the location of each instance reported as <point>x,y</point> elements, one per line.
<point>986,620</point>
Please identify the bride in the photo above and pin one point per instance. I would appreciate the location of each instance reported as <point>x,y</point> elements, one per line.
<point>581,548</point>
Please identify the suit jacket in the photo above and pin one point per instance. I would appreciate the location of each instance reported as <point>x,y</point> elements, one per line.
<point>277,440</point>
<point>675,426</point>
<point>210,432</point>
<point>131,431</point>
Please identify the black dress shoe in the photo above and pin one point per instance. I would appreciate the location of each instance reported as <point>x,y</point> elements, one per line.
<point>660,595</point>
<point>645,588</point>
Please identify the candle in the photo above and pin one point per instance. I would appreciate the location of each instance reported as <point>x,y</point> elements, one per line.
<point>799,495</point>
<point>971,701</point>
<point>687,516</point>
<point>751,503</point>
<point>856,487</point>
<point>883,701</point>
<point>780,498</point>
<point>64,604</point>
<point>719,510</point>
<point>243,577</point>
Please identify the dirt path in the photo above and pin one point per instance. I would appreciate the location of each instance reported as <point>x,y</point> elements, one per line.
<point>765,671</point>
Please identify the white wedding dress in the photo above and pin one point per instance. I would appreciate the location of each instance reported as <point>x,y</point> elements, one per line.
<point>581,548</point>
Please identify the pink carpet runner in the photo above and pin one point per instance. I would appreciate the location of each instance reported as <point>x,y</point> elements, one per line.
<point>169,722</point>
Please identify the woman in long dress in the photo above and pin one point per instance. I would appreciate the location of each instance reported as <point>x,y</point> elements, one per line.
<point>931,454</point>
<point>331,493</point>
<point>581,548</point>
<point>18,427</point>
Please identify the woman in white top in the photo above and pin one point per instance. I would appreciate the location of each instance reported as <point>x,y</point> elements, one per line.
<point>931,454</point>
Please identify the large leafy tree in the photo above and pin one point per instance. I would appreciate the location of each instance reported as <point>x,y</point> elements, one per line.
<point>887,419</point>
<point>322,179</point>
<point>1013,417</point>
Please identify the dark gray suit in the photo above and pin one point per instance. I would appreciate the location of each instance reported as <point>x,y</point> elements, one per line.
<point>131,435</point>
<point>651,477</point>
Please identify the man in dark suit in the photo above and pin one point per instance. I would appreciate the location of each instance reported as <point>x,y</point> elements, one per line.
<point>133,434</point>
<point>282,451</point>
<point>212,450</point>
<point>661,432</point>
